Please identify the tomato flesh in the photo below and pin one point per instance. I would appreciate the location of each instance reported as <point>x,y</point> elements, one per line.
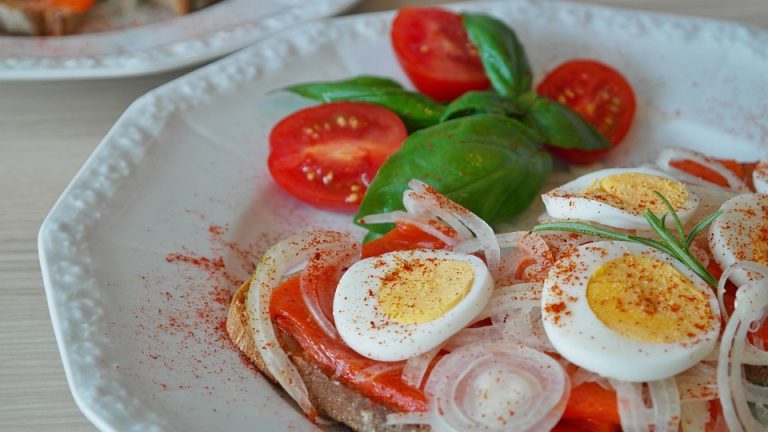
<point>740,169</point>
<point>435,52</point>
<point>69,5</point>
<point>326,155</point>
<point>403,237</point>
<point>598,93</point>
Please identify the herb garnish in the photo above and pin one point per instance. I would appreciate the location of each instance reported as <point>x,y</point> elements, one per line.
<point>676,246</point>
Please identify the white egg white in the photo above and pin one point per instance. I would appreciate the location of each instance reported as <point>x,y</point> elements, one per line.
<point>582,338</point>
<point>564,202</point>
<point>365,328</point>
<point>760,176</point>
<point>731,234</point>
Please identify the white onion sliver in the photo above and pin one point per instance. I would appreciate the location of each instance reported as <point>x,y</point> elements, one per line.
<point>750,306</point>
<point>375,370</point>
<point>279,259</point>
<point>471,335</point>
<point>488,386</point>
<point>583,375</point>
<point>698,383</point>
<point>668,155</point>
<point>344,254</point>
<point>416,367</point>
<point>662,416</point>
<point>450,212</point>
<point>694,415</point>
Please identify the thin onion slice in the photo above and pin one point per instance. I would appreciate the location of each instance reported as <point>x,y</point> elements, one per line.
<point>416,367</point>
<point>669,155</point>
<point>751,304</point>
<point>694,415</point>
<point>419,222</point>
<point>472,335</point>
<point>423,198</point>
<point>488,386</point>
<point>698,383</point>
<point>663,414</point>
<point>276,262</point>
<point>581,376</point>
<point>346,252</point>
<point>376,369</point>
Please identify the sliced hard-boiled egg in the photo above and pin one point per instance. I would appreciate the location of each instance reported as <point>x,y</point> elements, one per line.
<point>760,176</point>
<point>628,312</point>
<point>619,197</point>
<point>401,304</point>
<point>740,233</point>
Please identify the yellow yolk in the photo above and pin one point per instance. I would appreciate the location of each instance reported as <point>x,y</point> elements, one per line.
<point>421,290</point>
<point>648,300</point>
<point>633,192</point>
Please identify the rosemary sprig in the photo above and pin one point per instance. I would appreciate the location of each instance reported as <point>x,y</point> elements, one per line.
<point>675,246</point>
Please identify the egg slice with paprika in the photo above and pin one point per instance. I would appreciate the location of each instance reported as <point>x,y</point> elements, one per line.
<point>401,304</point>
<point>740,233</point>
<point>629,312</point>
<point>619,197</point>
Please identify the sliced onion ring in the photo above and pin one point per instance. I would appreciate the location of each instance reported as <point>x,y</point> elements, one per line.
<point>345,253</point>
<point>416,367</point>
<point>751,305</point>
<point>276,262</point>
<point>423,196</point>
<point>662,416</point>
<point>488,386</point>
<point>668,155</point>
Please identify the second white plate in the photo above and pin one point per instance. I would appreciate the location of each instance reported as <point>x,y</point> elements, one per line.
<point>151,46</point>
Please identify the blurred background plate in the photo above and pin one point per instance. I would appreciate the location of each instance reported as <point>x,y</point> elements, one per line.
<point>151,40</point>
<point>143,250</point>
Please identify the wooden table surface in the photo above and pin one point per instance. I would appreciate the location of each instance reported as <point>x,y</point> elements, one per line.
<point>47,130</point>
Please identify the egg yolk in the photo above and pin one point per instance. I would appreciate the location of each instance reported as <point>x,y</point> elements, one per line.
<point>421,290</point>
<point>633,192</point>
<point>648,300</point>
<point>760,244</point>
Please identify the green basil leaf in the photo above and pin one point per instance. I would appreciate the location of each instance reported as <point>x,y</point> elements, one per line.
<point>502,54</point>
<point>478,102</point>
<point>416,110</point>
<point>488,163</point>
<point>559,125</point>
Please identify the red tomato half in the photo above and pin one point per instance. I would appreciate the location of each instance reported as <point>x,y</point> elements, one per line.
<point>598,93</point>
<point>434,50</point>
<point>327,155</point>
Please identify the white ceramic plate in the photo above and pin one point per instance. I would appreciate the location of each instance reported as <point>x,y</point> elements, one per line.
<point>150,40</point>
<point>183,172</point>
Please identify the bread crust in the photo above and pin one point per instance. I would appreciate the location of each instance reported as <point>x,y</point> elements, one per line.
<point>332,398</point>
<point>19,17</point>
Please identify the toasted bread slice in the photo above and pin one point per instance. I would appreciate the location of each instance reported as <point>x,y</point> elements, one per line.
<point>22,17</point>
<point>332,398</point>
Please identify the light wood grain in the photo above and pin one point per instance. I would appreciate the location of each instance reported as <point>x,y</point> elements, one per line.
<point>47,130</point>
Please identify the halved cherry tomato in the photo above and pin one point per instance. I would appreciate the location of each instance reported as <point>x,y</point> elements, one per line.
<point>598,93</point>
<point>589,401</point>
<point>326,155</point>
<point>434,50</point>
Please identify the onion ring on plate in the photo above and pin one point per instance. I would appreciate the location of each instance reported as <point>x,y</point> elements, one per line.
<point>345,253</point>
<point>276,262</point>
<point>420,222</point>
<point>488,386</point>
<point>424,198</point>
<point>664,413</point>
<point>376,369</point>
<point>694,415</point>
<point>698,383</point>
<point>416,367</point>
<point>751,305</point>
<point>669,155</point>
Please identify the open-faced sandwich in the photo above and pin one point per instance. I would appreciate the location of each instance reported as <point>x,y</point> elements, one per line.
<point>636,302</point>
<point>62,17</point>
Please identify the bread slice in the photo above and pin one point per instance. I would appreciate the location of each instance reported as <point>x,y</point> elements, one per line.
<point>22,17</point>
<point>181,7</point>
<point>333,399</point>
